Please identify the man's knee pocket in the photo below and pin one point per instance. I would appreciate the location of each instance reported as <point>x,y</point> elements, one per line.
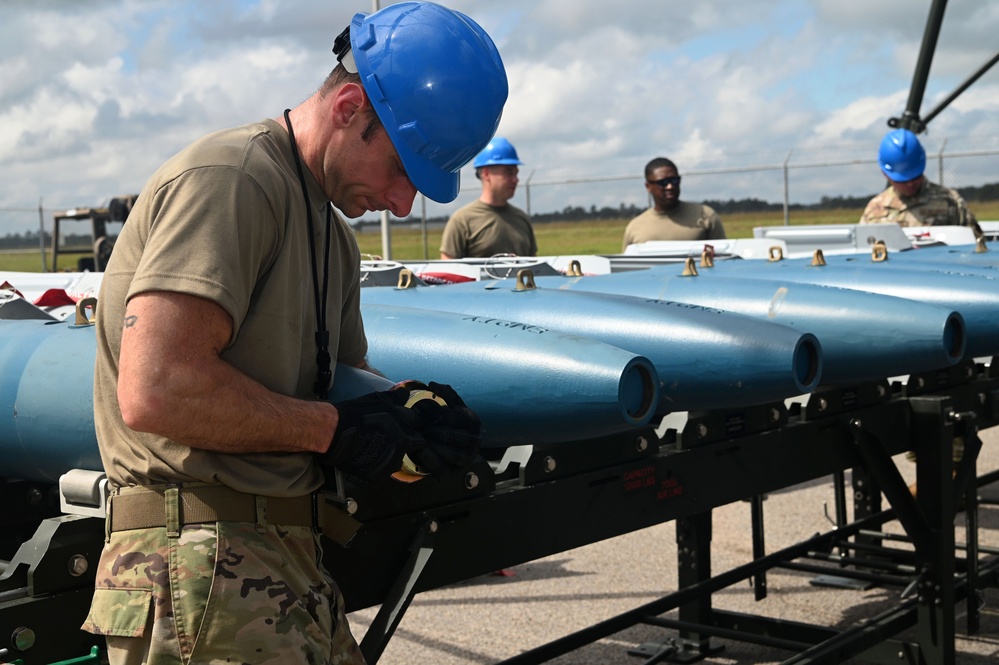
<point>119,612</point>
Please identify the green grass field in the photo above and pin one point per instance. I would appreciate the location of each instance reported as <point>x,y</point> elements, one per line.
<point>30,260</point>
<point>604,237</point>
<point>590,237</point>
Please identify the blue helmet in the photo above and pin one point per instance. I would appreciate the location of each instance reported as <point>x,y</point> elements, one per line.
<point>497,151</point>
<point>437,83</point>
<point>901,155</point>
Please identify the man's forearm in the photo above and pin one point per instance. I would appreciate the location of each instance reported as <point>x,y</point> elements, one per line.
<point>172,382</point>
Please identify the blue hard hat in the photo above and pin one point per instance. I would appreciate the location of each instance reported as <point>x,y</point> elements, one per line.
<point>438,85</point>
<point>901,156</point>
<point>497,151</point>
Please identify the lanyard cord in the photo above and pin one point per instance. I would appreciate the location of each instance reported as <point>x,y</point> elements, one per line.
<point>323,360</point>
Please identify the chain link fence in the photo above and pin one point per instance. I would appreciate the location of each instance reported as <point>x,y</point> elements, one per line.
<point>787,185</point>
<point>781,187</point>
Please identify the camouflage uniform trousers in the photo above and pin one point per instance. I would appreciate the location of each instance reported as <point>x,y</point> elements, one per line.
<point>224,592</point>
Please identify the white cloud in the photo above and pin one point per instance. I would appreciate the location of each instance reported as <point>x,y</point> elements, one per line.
<point>861,114</point>
<point>93,96</point>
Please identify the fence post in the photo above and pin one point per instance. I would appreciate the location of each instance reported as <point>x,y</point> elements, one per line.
<point>940,168</point>
<point>41,235</point>
<point>787,192</point>
<point>386,236</point>
<point>423,224</point>
<point>527,191</point>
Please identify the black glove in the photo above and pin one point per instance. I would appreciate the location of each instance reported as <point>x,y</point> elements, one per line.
<point>452,432</point>
<point>373,434</point>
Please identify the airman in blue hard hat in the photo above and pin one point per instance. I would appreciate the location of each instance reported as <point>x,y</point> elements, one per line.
<point>910,198</point>
<point>230,294</point>
<point>490,226</point>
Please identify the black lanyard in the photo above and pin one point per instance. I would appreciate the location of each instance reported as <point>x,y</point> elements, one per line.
<point>323,361</point>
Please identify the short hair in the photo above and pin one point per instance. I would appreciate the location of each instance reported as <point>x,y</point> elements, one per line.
<point>658,163</point>
<point>340,77</point>
<point>337,79</point>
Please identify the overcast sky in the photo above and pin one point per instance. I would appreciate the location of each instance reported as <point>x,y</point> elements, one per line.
<point>95,95</point>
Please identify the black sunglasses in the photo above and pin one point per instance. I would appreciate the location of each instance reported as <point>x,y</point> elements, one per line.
<point>665,182</point>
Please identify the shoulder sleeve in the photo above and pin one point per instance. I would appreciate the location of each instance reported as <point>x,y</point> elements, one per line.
<point>530,233</point>
<point>716,231</point>
<point>630,231</point>
<point>626,240</point>
<point>454,238</point>
<point>873,212</point>
<point>212,232</point>
<point>964,214</point>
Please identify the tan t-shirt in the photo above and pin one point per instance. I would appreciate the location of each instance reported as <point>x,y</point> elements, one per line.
<point>933,205</point>
<point>225,220</point>
<point>482,230</point>
<point>687,221</point>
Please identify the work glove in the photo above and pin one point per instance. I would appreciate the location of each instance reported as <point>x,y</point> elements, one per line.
<point>373,434</point>
<point>376,431</point>
<point>451,430</point>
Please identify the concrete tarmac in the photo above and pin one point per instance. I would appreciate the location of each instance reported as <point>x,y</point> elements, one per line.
<point>496,617</point>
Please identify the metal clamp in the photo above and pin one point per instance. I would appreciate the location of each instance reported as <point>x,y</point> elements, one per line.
<point>83,492</point>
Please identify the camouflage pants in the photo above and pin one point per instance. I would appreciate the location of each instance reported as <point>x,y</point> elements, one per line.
<point>219,593</point>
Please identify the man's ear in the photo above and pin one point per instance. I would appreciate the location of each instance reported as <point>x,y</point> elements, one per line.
<point>349,101</point>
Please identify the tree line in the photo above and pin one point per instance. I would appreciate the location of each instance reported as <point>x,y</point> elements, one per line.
<point>987,192</point>
<point>29,240</point>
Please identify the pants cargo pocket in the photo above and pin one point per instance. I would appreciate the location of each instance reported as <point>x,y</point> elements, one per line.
<point>119,612</point>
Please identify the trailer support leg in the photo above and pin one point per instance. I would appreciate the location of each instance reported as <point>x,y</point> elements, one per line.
<point>398,600</point>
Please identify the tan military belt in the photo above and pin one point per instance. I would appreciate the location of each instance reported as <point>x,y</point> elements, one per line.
<point>147,507</point>
<point>174,506</point>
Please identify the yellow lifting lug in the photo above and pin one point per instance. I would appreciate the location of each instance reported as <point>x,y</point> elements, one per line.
<point>708,257</point>
<point>980,245</point>
<point>879,252</point>
<point>405,279</point>
<point>689,269</point>
<point>575,269</point>
<point>818,258</point>
<point>81,311</point>
<point>776,253</point>
<point>525,280</point>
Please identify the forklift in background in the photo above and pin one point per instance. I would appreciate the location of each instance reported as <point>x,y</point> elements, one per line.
<point>105,222</point>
